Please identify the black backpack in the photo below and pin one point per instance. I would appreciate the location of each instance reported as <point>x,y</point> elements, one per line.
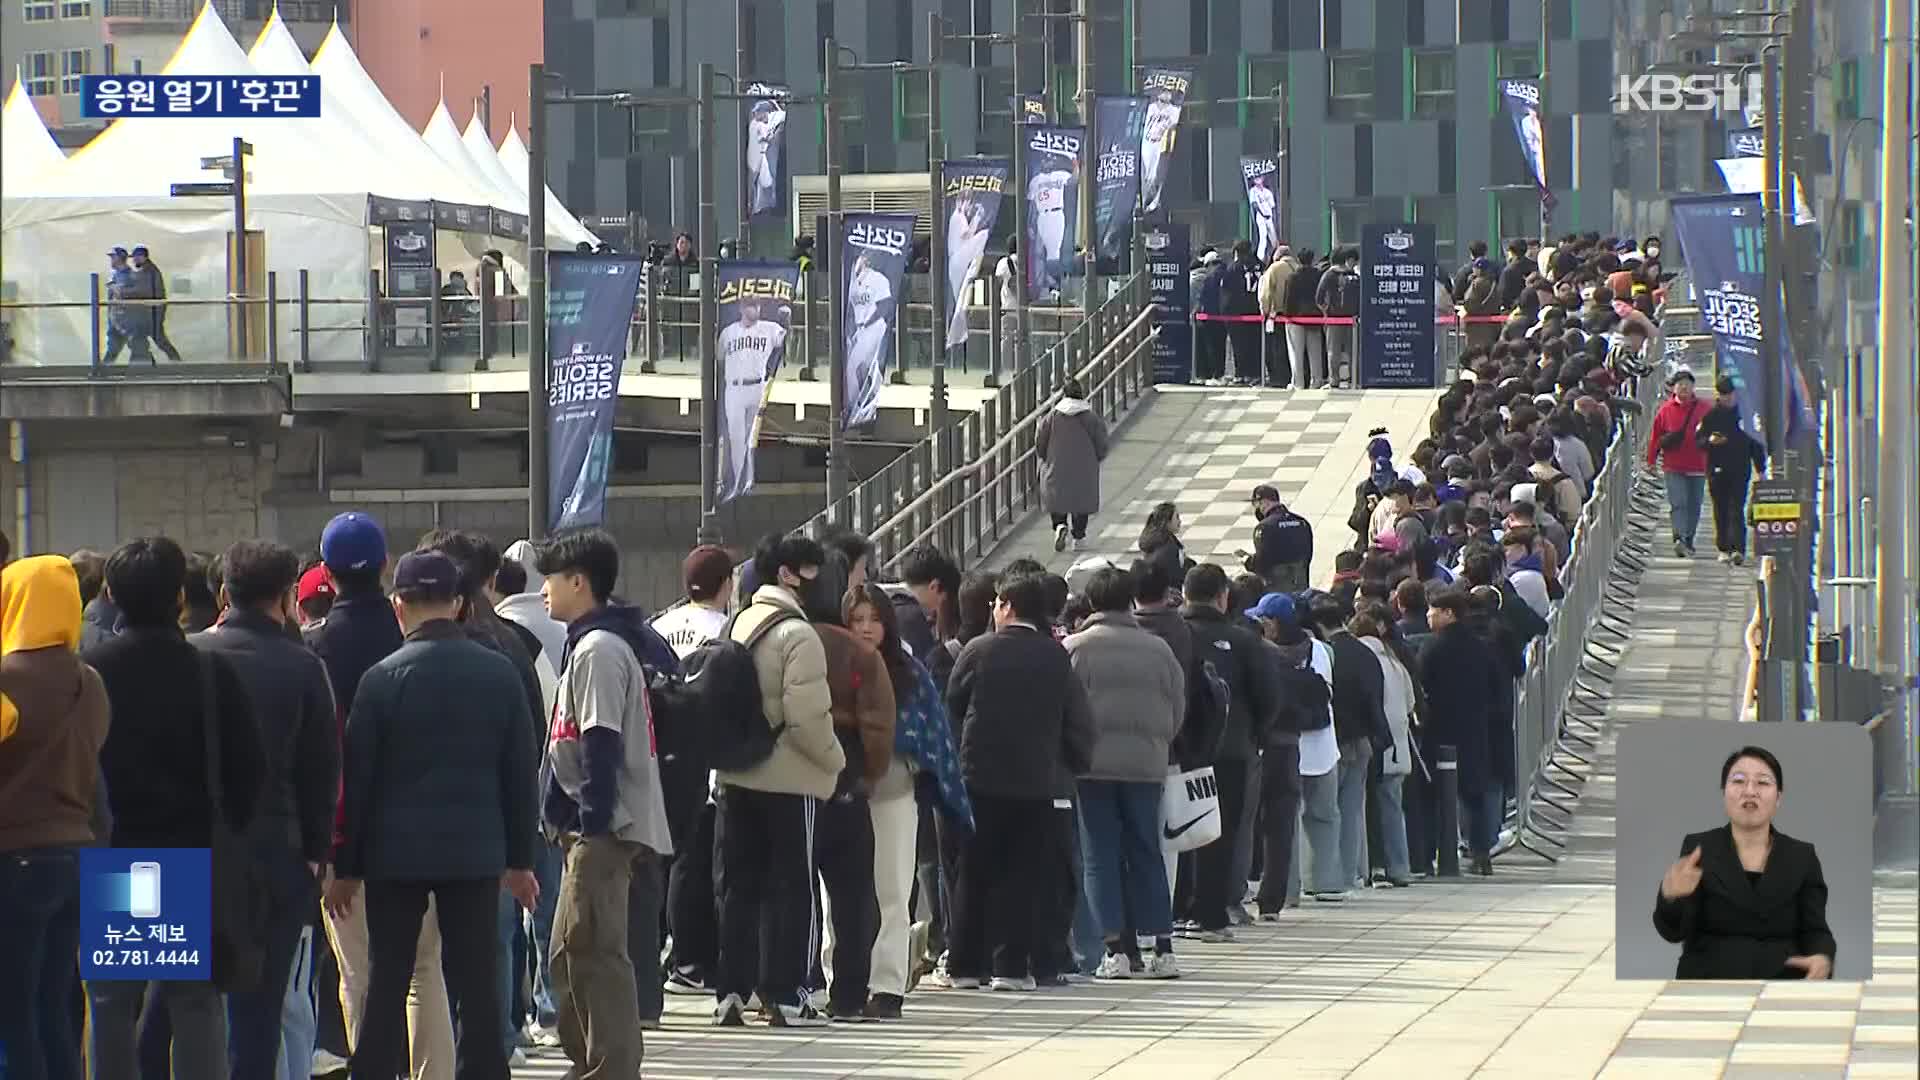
<point>1306,698</point>
<point>1208,700</point>
<point>711,712</point>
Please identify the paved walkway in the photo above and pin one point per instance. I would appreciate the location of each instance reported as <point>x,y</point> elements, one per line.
<point>1510,977</point>
<point>1206,449</point>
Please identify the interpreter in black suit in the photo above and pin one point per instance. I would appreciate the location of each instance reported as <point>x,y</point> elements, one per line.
<point>1745,901</point>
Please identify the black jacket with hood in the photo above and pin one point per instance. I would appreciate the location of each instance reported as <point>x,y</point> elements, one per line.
<point>1253,685</point>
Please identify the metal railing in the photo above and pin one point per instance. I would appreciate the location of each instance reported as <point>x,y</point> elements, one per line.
<point>231,11</point>
<point>964,489</point>
<point>1560,709</point>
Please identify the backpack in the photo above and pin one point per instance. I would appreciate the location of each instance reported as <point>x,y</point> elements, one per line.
<point>1208,700</point>
<point>712,711</point>
<point>1548,498</point>
<point>1307,699</point>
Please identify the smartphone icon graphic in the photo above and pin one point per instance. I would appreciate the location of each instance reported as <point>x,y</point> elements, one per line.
<point>143,895</point>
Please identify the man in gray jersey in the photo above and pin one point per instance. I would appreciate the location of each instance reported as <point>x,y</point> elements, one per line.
<point>749,349</point>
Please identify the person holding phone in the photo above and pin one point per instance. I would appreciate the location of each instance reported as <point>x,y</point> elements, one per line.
<point>1746,901</point>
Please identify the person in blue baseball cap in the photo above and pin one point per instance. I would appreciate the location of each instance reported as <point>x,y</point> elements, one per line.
<point>1275,606</point>
<point>353,543</point>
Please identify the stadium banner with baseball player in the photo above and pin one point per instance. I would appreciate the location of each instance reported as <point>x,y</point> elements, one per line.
<point>1165,89</point>
<point>766,137</point>
<point>1116,134</point>
<point>1053,202</point>
<point>1746,142</point>
<point>1029,109</point>
<point>755,309</point>
<point>973,193</point>
<point>590,300</point>
<point>873,254</point>
<point>1396,339</point>
<point>1522,98</point>
<point>1262,177</point>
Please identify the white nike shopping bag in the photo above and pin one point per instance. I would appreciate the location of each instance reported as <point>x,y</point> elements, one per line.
<point>1189,810</point>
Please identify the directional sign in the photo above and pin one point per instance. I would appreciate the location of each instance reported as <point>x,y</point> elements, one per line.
<point>223,161</point>
<point>185,190</point>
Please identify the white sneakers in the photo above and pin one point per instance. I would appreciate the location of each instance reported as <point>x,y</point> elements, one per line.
<point>1059,538</point>
<point>1114,966</point>
<point>1162,966</point>
<point>1025,984</point>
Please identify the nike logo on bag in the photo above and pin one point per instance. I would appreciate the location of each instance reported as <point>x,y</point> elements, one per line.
<point>1174,834</point>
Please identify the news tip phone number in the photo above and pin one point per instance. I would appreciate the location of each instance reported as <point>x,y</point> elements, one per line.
<point>142,958</point>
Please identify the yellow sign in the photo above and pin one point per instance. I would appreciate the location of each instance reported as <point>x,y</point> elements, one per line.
<point>1776,511</point>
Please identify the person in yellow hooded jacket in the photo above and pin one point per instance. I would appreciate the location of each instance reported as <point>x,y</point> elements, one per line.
<point>53,721</point>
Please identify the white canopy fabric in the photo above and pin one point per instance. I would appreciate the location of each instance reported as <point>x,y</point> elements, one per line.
<point>27,149</point>
<point>369,111</point>
<point>444,137</point>
<point>143,155</point>
<point>1748,176</point>
<point>512,157</point>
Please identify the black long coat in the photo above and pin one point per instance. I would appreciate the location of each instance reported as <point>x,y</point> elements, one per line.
<point>1462,679</point>
<point>1733,928</point>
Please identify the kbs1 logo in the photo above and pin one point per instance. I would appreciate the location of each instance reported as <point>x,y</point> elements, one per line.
<point>1053,142</point>
<point>1666,92</point>
<point>870,237</point>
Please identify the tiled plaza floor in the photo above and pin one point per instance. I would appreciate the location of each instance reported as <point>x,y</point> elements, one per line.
<point>1504,978</point>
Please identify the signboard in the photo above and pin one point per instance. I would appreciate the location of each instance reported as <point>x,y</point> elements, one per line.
<point>589,309</point>
<point>1053,206</point>
<point>228,97</point>
<point>1169,248</point>
<point>754,314</point>
<point>408,275</point>
<point>1165,89</point>
<point>1746,142</point>
<point>874,251</point>
<point>1117,122</point>
<point>1396,340</point>
<point>766,137</point>
<point>1778,517</point>
<point>1522,98</point>
<point>972,204</point>
<point>146,914</point>
<point>186,191</point>
<point>1262,177</point>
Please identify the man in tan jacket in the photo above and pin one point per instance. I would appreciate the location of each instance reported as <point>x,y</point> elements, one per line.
<point>763,830</point>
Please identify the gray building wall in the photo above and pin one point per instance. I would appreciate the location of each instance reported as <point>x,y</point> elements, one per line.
<point>1384,162</point>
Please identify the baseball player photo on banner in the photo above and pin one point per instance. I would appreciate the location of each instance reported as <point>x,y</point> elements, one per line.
<point>972,195</point>
<point>1116,128</point>
<point>755,309</point>
<point>874,252</point>
<point>766,136</point>
<point>1165,89</point>
<point>1262,176</point>
<point>1053,201</point>
<point>1523,108</point>
<point>590,300</point>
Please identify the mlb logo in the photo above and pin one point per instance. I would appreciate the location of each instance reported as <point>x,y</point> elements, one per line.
<point>410,242</point>
<point>1398,241</point>
<point>1157,241</point>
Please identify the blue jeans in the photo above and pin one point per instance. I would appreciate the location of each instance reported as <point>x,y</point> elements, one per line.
<point>546,870</point>
<point>1481,813</point>
<point>1084,934</point>
<point>1393,825</point>
<point>1126,874</point>
<point>1320,826</point>
<point>1355,756</point>
<point>40,939</point>
<point>1685,495</point>
<point>298,1026</point>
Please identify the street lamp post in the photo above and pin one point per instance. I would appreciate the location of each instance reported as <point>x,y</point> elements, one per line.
<point>537,486</point>
<point>937,250</point>
<point>709,530</point>
<point>836,297</point>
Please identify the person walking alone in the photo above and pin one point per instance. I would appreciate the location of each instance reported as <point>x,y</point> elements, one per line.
<point>1682,459</point>
<point>1071,442</point>
<point>1733,456</point>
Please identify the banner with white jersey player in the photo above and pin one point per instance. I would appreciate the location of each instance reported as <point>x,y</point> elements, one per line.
<point>1262,176</point>
<point>1053,204</point>
<point>1165,89</point>
<point>755,307</point>
<point>766,137</point>
<point>873,253</point>
<point>973,191</point>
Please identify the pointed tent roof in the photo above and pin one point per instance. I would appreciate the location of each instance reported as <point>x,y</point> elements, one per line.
<point>143,155</point>
<point>444,137</point>
<point>368,110</point>
<point>27,148</point>
<point>513,160</point>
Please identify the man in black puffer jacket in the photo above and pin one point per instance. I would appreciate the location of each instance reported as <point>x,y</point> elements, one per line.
<point>1236,655</point>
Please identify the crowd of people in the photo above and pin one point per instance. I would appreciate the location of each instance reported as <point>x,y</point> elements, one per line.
<point>488,805</point>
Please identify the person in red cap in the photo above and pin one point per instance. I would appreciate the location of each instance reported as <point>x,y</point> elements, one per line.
<point>315,595</point>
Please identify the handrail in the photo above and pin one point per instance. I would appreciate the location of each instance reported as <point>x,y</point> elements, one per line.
<point>962,472</point>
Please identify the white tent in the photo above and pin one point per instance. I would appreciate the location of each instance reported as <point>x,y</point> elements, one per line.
<point>27,149</point>
<point>367,109</point>
<point>444,137</point>
<point>513,162</point>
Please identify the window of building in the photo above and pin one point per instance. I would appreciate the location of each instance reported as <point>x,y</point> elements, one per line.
<point>1516,214</point>
<point>1265,74</point>
<point>1443,215</point>
<point>1199,26</point>
<point>1846,91</point>
<point>849,108</point>
<point>662,43</point>
<point>996,96</point>
<point>1350,87</point>
<point>76,9</point>
<point>1853,235</point>
<point>74,63</point>
<point>1345,218</point>
<point>1197,145</point>
<point>1433,82</point>
<point>37,10</point>
<point>912,118</point>
<point>1682,157</point>
<point>648,122</point>
<point>1199,95</point>
<point>1516,61</point>
<point>37,70</point>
